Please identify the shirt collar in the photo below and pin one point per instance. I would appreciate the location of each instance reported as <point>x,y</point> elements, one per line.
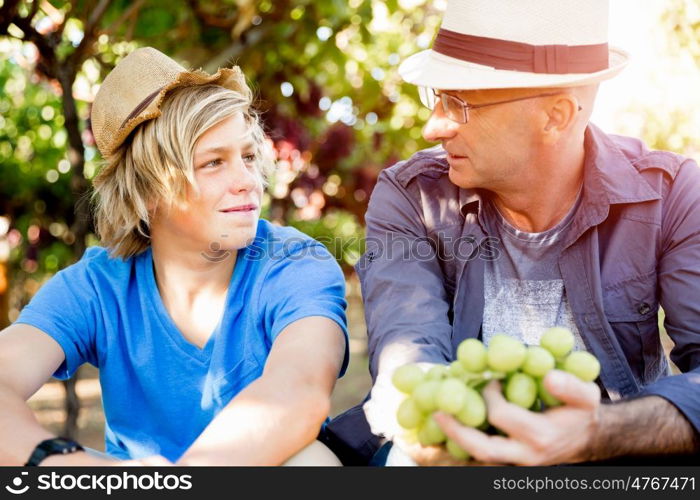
<point>614,173</point>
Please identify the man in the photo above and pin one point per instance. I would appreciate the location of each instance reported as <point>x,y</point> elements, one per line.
<point>527,216</point>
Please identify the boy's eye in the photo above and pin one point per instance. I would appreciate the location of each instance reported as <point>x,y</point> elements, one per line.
<point>212,163</point>
<point>249,158</point>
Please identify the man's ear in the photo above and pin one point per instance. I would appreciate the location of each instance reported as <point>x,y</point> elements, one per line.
<point>561,114</point>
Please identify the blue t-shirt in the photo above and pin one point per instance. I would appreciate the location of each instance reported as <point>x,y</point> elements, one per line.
<point>160,391</point>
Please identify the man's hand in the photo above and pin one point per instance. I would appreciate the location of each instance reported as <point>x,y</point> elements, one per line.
<point>380,409</point>
<point>383,404</point>
<point>559,435</point>
<point>426,455</point>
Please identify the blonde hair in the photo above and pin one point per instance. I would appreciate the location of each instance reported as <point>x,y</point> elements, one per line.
<point>154,165</point>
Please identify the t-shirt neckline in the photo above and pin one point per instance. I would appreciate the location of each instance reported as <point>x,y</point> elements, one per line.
<point>538,237</point>
<point>203,354</point>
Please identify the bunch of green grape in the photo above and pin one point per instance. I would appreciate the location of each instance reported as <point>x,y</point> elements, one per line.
<point>456,388</point>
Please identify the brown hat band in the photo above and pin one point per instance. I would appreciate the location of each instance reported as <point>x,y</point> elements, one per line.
<point>509,55</point>
<point>142,105</point>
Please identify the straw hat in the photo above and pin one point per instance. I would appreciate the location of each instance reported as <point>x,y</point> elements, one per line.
<point>484,44</point>
<point>134,90</point>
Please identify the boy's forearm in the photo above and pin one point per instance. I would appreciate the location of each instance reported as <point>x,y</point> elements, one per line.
<point>264,425</point>
<point>19,430</point>
<point>645,426</point>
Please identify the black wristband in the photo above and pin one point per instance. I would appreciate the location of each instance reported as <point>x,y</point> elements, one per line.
<point>54,446</point>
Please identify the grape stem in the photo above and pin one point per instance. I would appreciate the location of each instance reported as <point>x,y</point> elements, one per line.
<point>476,379</point>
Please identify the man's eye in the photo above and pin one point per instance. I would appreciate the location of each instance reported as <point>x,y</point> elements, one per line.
<point>250,158</point>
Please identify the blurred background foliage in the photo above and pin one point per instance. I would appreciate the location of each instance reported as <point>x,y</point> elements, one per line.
<point>677,128</point>
<point>325,77</point>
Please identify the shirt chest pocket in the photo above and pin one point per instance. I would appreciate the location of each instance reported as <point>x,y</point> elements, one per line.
<point>631,308</point>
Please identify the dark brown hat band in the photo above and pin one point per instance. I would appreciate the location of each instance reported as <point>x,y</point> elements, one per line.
<point>508,55</point>
<point>142,105</point>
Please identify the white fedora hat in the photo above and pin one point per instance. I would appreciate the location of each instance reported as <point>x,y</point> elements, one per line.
<point>485,44</point>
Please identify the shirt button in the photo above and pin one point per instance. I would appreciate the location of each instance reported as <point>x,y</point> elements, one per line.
<point>643,308</point>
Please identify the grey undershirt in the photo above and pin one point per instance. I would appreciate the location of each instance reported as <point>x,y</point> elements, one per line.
<point>524,291</point>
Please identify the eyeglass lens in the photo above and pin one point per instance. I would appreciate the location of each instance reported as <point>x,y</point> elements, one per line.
<point>452,107</point>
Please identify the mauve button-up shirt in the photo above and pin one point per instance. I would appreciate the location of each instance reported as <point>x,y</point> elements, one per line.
<point>633,245</point>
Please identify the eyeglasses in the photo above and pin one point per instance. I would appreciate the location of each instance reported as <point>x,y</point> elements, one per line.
<point>456,109</point>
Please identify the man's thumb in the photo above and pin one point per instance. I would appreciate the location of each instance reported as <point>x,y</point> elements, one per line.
<point>571,390</point>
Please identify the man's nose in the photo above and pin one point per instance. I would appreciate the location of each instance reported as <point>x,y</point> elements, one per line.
<point>439,127</point>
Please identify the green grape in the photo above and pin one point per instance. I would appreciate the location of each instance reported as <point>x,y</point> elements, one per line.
<point>472,354</point>
<point>538,361</point>
<point>505,354</point>
<point>456,370</point>
<point>582,364</point>
<point>422,436</point>
<point>521,390</point>
<point>473,414</point>
<point>451,396</point>
<point>456,451</point>
<point>430,433</point>
<point>407,377</point>
<point>409,415</point>
<point>436,372</point>
<point>424,395</point>
<point>468,380</point>
<point>545,395</point>
<point>410,436</point>
<point>558,340</point>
